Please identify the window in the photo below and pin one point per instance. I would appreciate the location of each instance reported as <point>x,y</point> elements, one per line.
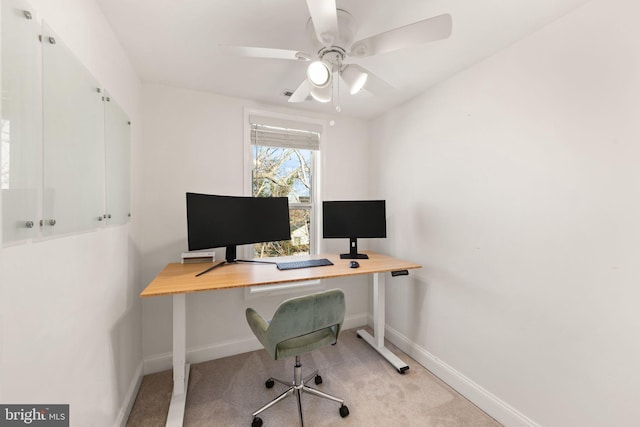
<point>283,164</point>
<point>283,161</point>
<point>288,172</point>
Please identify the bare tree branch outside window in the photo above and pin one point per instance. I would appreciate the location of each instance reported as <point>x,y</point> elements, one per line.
<point>285,172</point>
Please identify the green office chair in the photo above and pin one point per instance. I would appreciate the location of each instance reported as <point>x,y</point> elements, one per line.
<point>299,325</point>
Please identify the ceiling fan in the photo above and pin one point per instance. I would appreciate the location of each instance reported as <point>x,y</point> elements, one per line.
<point>332,31</point>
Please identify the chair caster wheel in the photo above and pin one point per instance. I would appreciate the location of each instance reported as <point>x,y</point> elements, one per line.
<point>268,384</point>
<point>344,411</point>
<point>318,379</point>
<point>257,422</point>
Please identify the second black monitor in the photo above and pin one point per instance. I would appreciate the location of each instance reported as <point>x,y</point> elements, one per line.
<point>354,219</point>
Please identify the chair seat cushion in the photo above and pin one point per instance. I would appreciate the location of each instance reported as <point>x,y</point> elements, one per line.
<point>305,343</point>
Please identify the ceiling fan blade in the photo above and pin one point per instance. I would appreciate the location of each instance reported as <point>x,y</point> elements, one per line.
<point>302,92</point>
<point>265,52</point>
<point>428,30</point>
<point>325,20</point>
<point>374,84</point>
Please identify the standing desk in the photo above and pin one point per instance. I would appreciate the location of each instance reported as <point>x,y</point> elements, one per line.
<point>178,280</point>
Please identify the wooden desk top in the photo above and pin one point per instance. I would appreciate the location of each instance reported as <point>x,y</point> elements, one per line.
<point>179,278</point>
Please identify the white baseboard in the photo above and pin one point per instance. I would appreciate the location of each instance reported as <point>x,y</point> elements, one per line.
<point>130,398</point>
<point>162,362</point>
<point>489,403</point>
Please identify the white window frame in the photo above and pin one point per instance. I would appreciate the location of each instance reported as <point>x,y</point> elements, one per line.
<point>315,246</point>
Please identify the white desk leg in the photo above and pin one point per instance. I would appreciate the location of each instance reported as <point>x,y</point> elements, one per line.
<point>180,367</point>
<point>377,340</point>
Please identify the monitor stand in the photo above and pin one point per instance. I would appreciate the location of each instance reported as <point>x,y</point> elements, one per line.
<point>230,258</point>
<point>353,251</point>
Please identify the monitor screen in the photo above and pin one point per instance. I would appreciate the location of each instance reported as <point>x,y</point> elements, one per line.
<point>353,219</point>
<point>226,221</point>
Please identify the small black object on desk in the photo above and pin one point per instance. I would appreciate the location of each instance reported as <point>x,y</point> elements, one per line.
<point>399,273</point>
<point>354,264</point>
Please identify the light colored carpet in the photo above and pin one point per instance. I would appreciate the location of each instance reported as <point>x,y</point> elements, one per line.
<point>225,392</point>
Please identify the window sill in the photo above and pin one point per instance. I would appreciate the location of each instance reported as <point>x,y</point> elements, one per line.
<point>282,289</point>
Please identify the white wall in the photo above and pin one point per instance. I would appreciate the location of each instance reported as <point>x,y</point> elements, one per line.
<point>71,314</point>
<point>193,141</point>
<point>516,185</point>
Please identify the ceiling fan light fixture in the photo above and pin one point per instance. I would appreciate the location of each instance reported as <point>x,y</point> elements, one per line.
<point>319,74</point>
<point>355,79</point>
<point>321,94</point>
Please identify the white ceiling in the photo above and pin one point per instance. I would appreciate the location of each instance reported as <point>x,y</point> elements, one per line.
<point>176,42</point>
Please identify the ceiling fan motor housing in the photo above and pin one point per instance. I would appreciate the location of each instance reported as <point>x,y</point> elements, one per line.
<point>342,41</point>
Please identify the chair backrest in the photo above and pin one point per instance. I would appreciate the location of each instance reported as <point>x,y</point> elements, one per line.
<point>300,316</point>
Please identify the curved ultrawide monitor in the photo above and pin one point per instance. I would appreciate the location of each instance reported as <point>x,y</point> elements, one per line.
<point>215,221</point>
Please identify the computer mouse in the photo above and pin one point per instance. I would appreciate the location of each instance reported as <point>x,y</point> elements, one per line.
<point>354,264</point>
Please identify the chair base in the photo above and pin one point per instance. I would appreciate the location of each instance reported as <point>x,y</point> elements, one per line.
<point>298,388</point>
